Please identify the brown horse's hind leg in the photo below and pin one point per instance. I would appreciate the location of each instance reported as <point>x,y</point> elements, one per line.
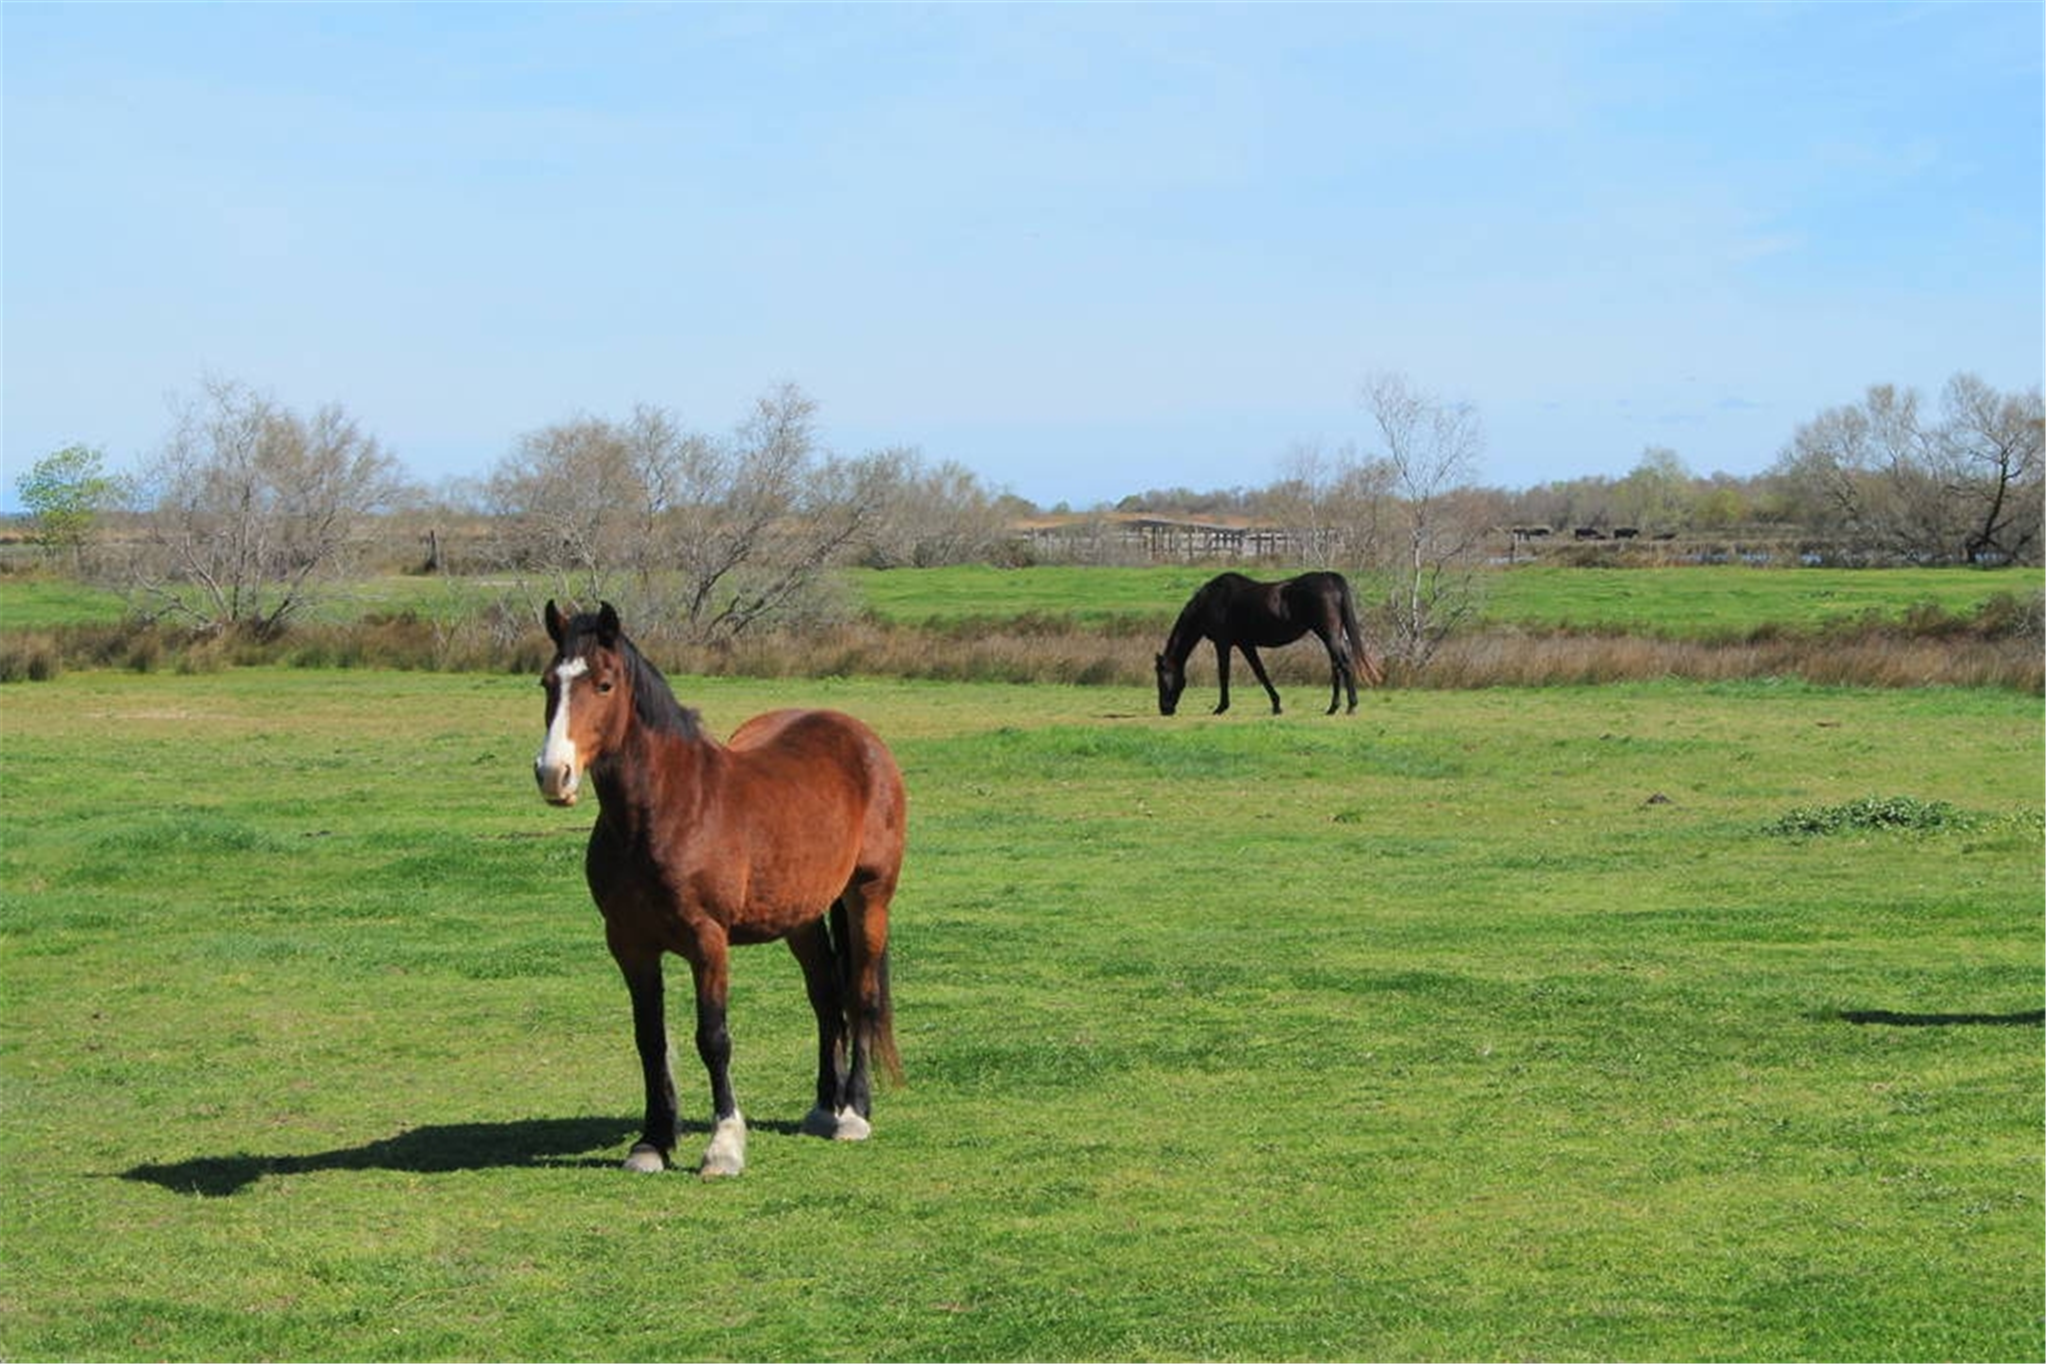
<point>871,1016</point>
<point>824,977</point>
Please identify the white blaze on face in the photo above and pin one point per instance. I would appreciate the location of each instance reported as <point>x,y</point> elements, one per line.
<point>556,767</point>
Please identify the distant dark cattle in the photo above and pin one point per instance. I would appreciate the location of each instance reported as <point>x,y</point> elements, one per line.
<point>1626,532</point>
<point>1589,533</point>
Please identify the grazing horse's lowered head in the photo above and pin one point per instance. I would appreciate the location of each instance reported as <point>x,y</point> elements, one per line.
<point>1171,682</point>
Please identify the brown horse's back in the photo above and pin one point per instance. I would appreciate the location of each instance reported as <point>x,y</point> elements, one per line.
<point>813,745</point>
<point>824,811</point>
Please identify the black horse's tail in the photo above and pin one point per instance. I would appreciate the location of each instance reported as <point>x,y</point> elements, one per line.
<point>845,947</point>
<point>1360,654</point>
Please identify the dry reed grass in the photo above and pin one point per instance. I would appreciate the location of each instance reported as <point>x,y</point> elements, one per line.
<point>1492,658</point>
<point>1931,651</point>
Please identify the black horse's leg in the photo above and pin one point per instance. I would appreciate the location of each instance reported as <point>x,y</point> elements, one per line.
<point>1341,674</point>
<point>824,981</point>
<point>1222,670</point>
<point>1257,665</point>
<point>642,970</point>
<point>726,1154</point>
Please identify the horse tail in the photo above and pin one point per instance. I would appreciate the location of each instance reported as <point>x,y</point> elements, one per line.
<point>882,1045</point>
<point>1360,653</point>
<point>848,945</point>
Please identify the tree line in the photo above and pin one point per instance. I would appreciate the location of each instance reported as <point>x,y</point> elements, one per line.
<point>1889,479</point>
<point>249,508</point>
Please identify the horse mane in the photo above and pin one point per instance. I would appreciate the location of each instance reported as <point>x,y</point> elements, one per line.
<point>1200,612</point>
<point>1186,631</point>
<point>653,700</point>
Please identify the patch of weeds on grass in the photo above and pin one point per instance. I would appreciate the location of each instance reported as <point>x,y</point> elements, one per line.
<point>1906,813</point>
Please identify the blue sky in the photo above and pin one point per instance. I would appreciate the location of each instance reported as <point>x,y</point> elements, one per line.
<point>1084,250</point>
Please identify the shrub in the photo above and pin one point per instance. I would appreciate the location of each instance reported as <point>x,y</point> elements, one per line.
<point>2010,616</point>
<point>1872,813</point>
<point>29,658</point>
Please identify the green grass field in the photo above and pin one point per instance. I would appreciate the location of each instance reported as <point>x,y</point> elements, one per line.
<point>1676,602</point>
<point>1499,1024</point>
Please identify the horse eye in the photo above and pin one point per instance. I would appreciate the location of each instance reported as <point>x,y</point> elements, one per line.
<point>604,688</point>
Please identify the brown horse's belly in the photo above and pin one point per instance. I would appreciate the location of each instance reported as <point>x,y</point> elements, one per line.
<point>784,837</point>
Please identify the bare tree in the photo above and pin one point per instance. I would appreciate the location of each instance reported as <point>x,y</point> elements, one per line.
<point>931,515</point>
<point>1993,442</point>
<point>704,538</point>
<point>1432,447</point>
<point>250,509</point>
<point>1334,505</point>
<point>1965,488</point>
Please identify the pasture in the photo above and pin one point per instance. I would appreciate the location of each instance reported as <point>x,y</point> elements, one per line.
<point>1483,1024</point>
<point>1688,602</point>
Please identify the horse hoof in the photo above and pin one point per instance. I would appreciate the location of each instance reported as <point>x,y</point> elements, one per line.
<point>645,1160</point>
<point>727,1153</point>
<point>844,1125</point>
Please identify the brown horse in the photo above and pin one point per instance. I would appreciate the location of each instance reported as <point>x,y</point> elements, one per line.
<point>1238,613</point>
<point>699,846</point>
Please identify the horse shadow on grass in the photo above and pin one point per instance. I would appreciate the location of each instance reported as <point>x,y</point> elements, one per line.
<point>535,1143</point>
<point>1891,1018</point>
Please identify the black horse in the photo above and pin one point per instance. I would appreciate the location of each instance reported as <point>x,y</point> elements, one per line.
<point>1239,613</point>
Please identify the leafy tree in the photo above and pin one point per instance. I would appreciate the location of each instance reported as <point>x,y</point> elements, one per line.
<point>1656,494</point>
<point>65,492</point>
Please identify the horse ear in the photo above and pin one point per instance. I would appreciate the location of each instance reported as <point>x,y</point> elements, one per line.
<point>554,623</point>
<point>608,628</point>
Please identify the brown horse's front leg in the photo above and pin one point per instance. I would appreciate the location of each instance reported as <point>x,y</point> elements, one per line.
<point>726,1154</point>
<point>642,970</point>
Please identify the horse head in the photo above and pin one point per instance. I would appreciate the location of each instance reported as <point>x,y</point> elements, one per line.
<point>589,699</point>
<point>1171,682</point>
